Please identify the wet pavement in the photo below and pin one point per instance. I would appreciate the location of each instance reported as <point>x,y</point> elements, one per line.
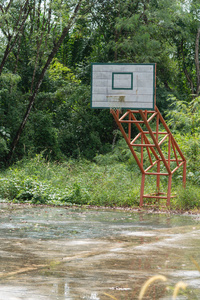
<point>49,253</point>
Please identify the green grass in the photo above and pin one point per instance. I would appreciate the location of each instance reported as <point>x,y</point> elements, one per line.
<point>73,182</point>
<point>109,181</point>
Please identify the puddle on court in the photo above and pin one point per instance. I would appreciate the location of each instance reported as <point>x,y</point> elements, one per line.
<point>56,253</point>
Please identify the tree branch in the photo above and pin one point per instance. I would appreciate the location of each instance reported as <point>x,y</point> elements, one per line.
<point>8,6</point>
<point>11,43</point>
<point>39,82</point>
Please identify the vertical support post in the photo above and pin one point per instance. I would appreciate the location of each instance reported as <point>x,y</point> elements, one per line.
<point>169,189</point>
<point>158,164</point>
<point>169,150</point>
<point>157,127</point>
<point>142,189</point>
<point>158,177</point>
<point>129,127</point>
<point>142,150</point>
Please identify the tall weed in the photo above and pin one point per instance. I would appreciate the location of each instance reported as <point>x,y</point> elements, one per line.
<point>188,198</point>
<point>82,182</point>
<point>73,182</point>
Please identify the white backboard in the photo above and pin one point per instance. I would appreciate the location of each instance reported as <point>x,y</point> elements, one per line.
<point>123,86</point>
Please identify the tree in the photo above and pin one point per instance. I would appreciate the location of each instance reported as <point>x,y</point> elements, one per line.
<point>186,40</point>
<point>13,16</point>
<point>136,32</point>
<point>35,86</point>
<point>42,30</point>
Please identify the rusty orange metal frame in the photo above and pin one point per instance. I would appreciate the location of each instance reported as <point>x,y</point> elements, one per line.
<point>151,141</point>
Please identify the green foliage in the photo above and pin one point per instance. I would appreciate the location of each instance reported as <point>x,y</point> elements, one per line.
<point>187,198</point>
<point>44,135</point>
<point>58,72</point>
<point>81,131</point>
<point>120,153</point>
<point>10,80</point>
<point>61,122</point>
<point>38,181</point>
<point>3,148</point>
<point>185,116</point>
<point>184,120</point>
<point>110,181</point>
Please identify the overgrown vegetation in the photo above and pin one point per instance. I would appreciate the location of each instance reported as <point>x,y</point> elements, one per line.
<point>46,51</point>
<point>72,182</point>
<point>110,180</point>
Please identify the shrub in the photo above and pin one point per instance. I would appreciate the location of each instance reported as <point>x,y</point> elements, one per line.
<point>73,182</point>
<point>188,198</point>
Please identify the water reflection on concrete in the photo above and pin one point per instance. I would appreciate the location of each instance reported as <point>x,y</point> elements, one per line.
<point>57,253</point>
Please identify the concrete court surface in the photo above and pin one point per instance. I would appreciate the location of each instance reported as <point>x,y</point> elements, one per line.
<point>49,253</point>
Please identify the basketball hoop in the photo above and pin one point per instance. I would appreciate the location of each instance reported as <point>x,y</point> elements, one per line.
<point>133,87</point>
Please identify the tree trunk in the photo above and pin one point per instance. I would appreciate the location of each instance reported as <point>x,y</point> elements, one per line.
<point>39,82</point>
